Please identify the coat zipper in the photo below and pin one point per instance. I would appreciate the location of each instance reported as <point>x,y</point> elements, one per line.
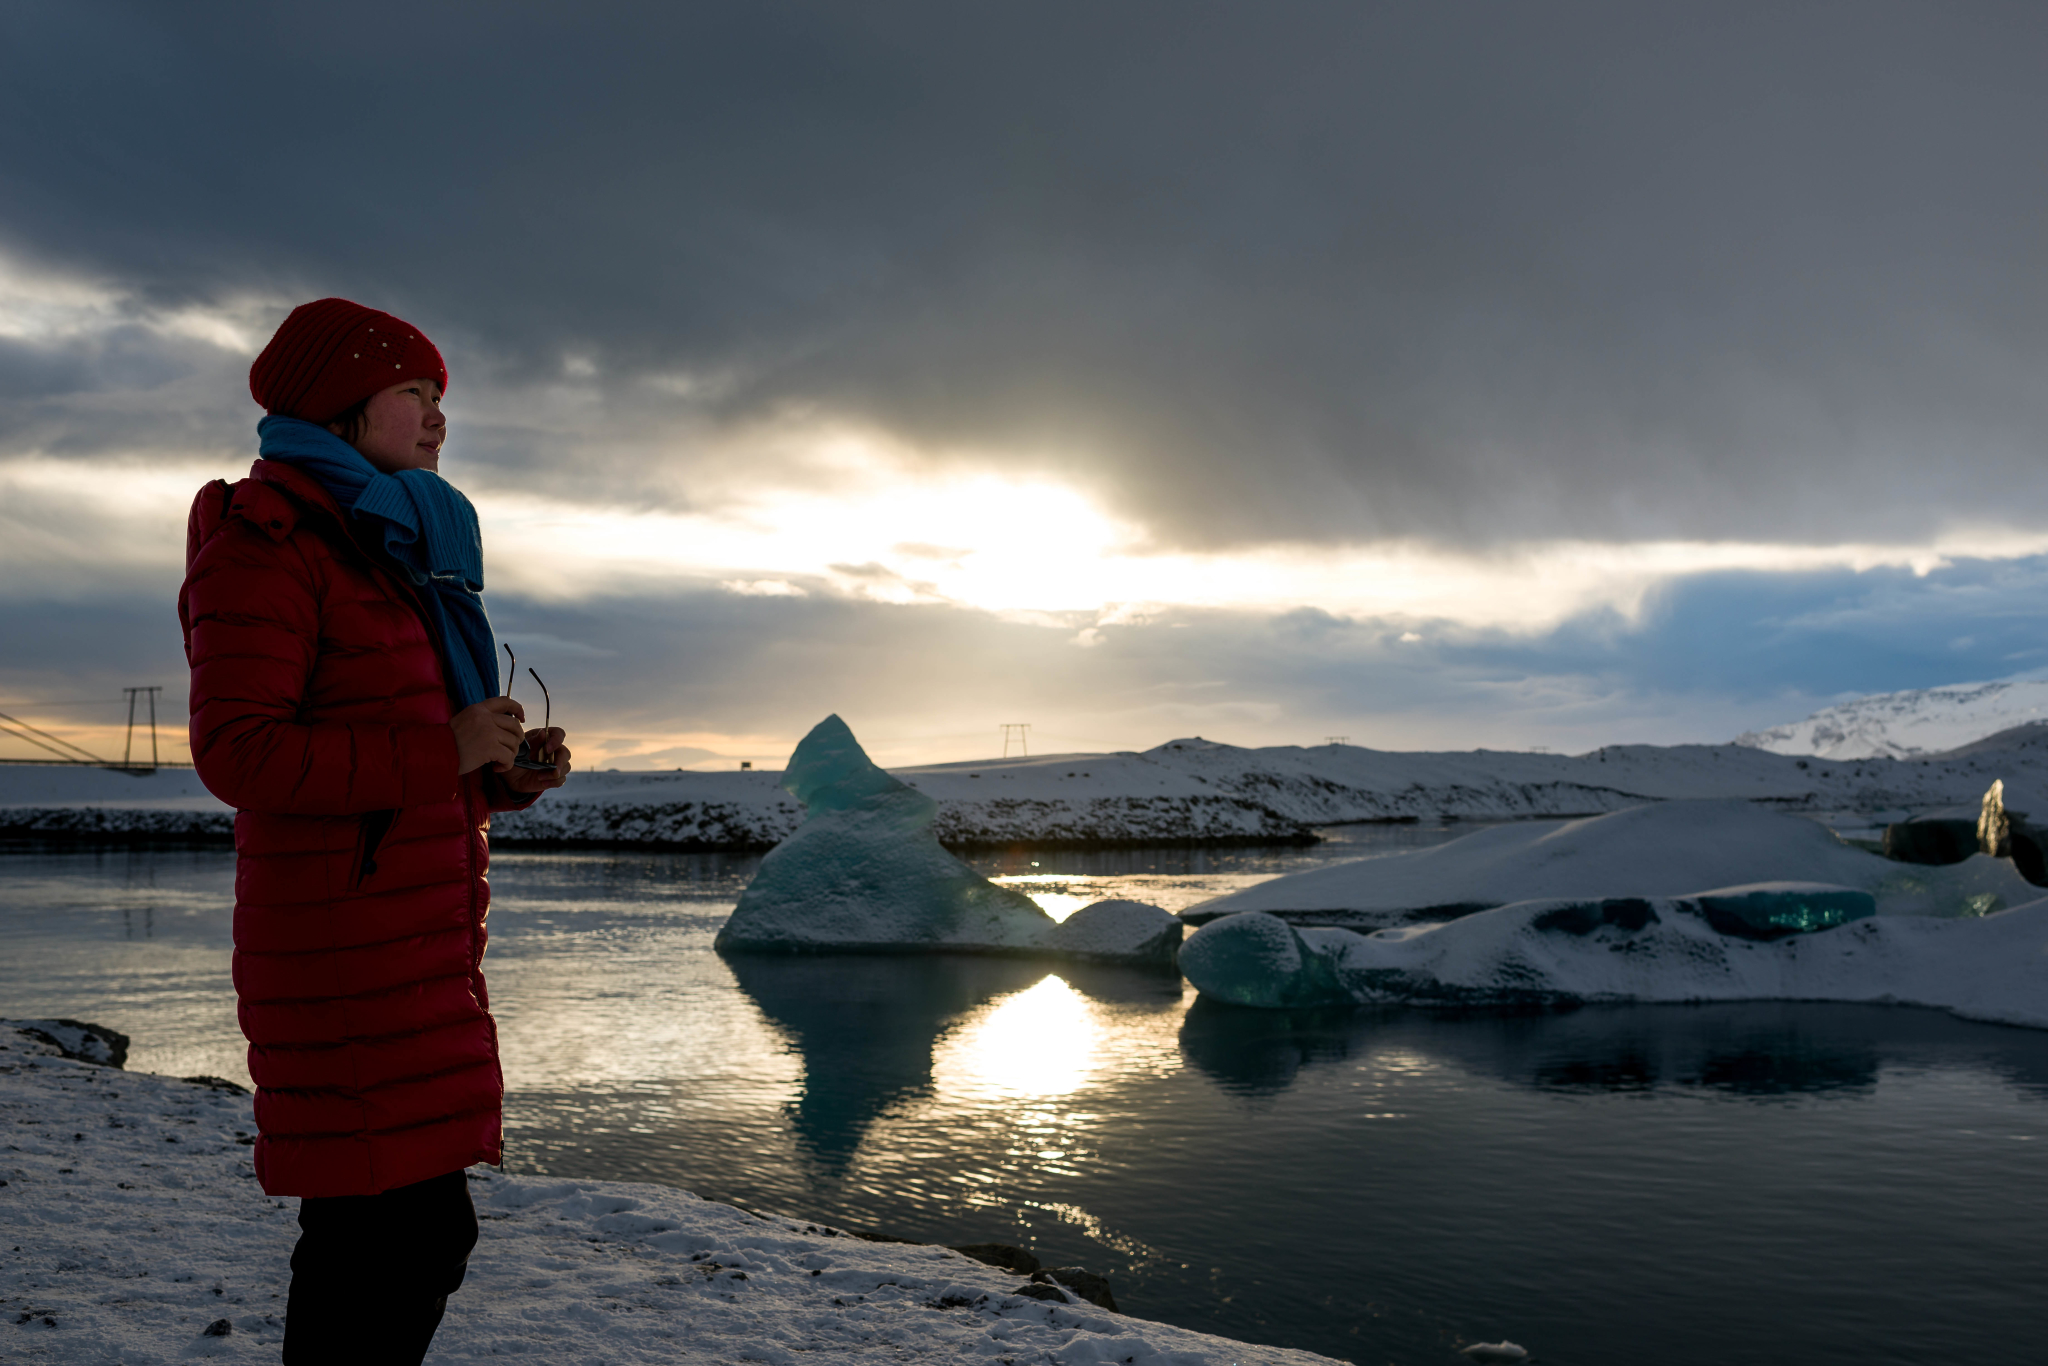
<point>375,826</point>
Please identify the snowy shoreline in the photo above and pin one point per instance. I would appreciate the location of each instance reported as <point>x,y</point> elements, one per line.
<point>1190,793</point>
<point>136,1234</point>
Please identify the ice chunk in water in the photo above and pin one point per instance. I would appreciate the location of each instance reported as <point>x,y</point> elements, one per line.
<point>1133,932</point>
<point>864,871</point>
<point>1260,960</point>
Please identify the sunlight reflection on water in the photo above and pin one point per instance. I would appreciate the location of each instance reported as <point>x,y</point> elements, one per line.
<point>1042,1041</point>
<point>1059,895</point>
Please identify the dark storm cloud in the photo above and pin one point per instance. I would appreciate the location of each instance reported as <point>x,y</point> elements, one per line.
<point>1321,271</point>
<point>124,388</point>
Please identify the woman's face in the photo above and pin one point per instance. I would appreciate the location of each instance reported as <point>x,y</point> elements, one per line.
<point>403,428</point>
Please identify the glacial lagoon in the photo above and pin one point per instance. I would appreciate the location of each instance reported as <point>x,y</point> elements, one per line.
<point>1679,1184</point>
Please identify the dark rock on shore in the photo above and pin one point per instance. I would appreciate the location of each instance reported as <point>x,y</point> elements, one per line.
<point>1054,1284</point>
<point>1004,1255</point>
<point>233,1088</point>
<point>1082,1282</point>
<point>1032,1290</point>
<point>76,1039</point>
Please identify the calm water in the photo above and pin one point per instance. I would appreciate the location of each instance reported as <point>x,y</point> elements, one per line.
<point>1668,1184</point>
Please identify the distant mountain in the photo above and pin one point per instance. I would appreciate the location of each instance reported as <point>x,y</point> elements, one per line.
<point>1902,725</point>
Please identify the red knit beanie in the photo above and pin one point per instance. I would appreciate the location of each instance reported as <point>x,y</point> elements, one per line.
<point>331,354</point>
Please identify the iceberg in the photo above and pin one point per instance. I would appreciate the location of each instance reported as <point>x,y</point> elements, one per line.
<point>1788,942</point>
<point>864,873</point>
<point>1116,931</point>
<point>1256,959</point>
<point>1664,849</point>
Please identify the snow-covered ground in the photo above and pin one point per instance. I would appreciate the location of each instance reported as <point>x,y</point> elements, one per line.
<point>1659,849</point>
<point>57,801</point>
<point>1184,791</point>
<point>1904,724</point>
<point>1330,783</point>
<point>1082,800</point>
<point>132,1231</point>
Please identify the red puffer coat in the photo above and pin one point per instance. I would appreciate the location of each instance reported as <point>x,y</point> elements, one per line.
<point>319,712</point>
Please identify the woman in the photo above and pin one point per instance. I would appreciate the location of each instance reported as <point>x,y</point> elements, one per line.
<point>345,700</point>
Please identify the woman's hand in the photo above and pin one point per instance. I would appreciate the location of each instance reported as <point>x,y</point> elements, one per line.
<point>488,733</point>
<point>546,747</point>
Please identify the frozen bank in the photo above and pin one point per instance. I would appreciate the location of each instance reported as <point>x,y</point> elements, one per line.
<point>135,1233</point>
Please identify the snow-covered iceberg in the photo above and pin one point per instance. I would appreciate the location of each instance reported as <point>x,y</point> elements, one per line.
<point>1117,931</point>
<point>1663,849</point>
<point>1794,942</point>
<point>865,873</point>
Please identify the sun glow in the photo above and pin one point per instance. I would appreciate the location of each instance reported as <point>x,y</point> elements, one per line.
<point>875,526</point>
<point>1022,548</point>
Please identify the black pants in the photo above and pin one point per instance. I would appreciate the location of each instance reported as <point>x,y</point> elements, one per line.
<point>372,1274</point>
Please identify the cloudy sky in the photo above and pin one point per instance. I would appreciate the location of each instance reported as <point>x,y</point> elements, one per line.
<point>1440,376</point>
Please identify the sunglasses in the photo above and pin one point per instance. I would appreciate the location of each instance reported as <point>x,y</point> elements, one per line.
<point>525,757</point>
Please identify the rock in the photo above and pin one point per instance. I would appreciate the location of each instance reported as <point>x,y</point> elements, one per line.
<point>233,1088</point>
<point>219,1328</point>
<point>1053,1293</point>
<point>75,1039</point>
<point>2005,833</point>
<point>1004,1255</point>
<point>1086,1284</point>
<point>1495,1351</point>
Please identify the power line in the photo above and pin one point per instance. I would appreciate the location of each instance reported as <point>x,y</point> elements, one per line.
<point>72,702</point>
<point>1021,729</point>
<point>53,740</point>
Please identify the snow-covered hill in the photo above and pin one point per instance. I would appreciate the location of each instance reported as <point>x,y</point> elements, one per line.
<point>1189,791</point>
<point>1901,725</point>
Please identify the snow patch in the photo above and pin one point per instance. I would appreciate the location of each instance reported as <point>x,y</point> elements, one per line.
<point>1183,792</point>
<point>1919,721</point>
<point>133,1248</point>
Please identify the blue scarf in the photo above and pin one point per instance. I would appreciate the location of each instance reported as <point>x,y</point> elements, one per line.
<point>429,530</point>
